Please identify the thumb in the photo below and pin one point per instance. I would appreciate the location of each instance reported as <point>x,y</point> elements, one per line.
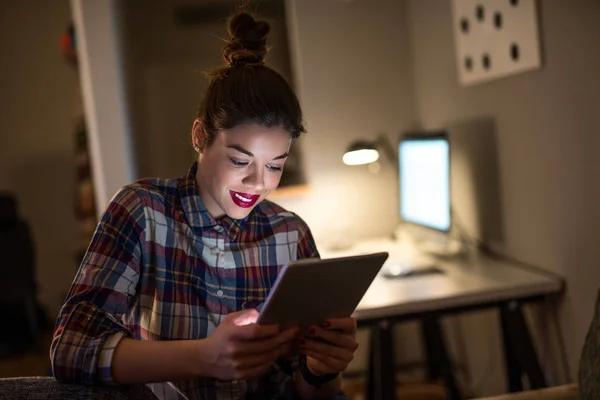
<point>242,318</point>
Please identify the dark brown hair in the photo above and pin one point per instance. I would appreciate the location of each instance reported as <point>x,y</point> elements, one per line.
<point>245,90</point>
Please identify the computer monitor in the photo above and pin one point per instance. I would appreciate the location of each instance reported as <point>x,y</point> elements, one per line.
<point>424,171</point>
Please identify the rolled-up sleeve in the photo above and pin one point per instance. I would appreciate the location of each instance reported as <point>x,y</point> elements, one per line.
<point>89,327</point>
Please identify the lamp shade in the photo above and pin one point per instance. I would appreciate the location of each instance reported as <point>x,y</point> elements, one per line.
<point>360,152</point>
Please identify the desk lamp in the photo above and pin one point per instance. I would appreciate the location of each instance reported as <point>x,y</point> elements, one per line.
<point>363,151</point>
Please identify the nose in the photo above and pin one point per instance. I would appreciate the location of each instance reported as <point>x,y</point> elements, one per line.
<point>255,179</point>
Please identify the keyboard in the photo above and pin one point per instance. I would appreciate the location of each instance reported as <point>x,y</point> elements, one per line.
<point>410,267</point>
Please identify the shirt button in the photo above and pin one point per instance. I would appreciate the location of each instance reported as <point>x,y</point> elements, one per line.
<point>218,228</point>
<point>220,293</point>
<point>215,251</point>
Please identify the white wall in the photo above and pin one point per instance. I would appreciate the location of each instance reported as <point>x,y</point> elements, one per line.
<point>38,106</point>
<point>101,78</point>
<point>353,81</point>
<point>547,128</point>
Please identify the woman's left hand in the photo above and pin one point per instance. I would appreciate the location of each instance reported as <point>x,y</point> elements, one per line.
<point>329,348</point>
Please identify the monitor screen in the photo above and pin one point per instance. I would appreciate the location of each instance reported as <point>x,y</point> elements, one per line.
<point>424,166</point>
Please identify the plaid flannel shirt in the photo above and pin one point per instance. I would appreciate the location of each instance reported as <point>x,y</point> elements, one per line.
<point>159,267</point>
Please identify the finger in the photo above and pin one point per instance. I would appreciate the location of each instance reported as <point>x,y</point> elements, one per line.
<point>245,317</point>
<point>288,335</point>
<point>347,325</point>
<point>317,367</point>
<point>264,358</point>
<point>254,331</point>
<point>329,350</point>
<point>337,338</point>
<point>326,364</point>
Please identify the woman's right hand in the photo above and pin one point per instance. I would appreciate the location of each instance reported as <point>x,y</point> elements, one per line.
<point>241,349</point>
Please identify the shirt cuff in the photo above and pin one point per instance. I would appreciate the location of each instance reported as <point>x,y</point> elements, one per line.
<point>104,369</point>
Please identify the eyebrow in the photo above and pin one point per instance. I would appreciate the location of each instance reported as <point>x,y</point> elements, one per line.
<point>249,154</point>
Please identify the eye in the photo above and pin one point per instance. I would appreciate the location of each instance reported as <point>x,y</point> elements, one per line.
<point>237,163</point>
<point>274,168</point>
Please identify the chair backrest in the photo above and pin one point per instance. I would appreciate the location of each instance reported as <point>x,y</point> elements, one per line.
<point>17,258</point>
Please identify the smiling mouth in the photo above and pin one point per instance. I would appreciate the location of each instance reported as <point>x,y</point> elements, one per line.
<point>244,200</point>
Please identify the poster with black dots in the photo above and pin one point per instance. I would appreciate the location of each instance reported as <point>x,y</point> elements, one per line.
<point>495,38</point>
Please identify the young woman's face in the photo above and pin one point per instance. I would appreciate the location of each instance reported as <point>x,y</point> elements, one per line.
<point>240,168</point>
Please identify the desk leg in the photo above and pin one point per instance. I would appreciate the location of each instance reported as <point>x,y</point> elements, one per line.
<point>437,355</point>
<point>381,384</point>
<point>430,333</point>
<point>518,349</point>
<point>513,369</point>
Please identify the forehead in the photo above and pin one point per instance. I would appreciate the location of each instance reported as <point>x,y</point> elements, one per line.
<point>255,138</point>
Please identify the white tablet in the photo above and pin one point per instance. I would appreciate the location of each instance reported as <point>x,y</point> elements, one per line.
<point>309,291</point>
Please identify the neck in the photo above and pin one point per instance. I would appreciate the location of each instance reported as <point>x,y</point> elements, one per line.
<point>207,200</point>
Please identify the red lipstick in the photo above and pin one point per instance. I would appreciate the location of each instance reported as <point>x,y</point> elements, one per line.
<point>244,200</point>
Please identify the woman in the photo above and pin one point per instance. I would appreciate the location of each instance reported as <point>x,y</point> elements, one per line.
<point>169,287</point>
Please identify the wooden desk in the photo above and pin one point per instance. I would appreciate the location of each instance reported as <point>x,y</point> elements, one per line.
<point>565,392</point>
<point>468,284</point>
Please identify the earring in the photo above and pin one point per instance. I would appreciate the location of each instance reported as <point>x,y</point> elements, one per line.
<point>197,148</point>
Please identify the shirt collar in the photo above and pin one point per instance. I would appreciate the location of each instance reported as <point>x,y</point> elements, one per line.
<point>198,216</point>
<point>234,227</point>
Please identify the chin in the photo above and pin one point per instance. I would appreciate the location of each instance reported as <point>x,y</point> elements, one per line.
<point>235,212</point>
<point>239,213</point>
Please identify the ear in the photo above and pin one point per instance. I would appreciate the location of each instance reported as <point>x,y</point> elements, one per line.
<point>197,135</point>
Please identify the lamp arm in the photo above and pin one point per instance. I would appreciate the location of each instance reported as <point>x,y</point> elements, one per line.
<point>384,142</point>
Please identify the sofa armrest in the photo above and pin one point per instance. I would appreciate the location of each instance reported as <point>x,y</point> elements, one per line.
<point>48,388</point>
<point>589,362</point>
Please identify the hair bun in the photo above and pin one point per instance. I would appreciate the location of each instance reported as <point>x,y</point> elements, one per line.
<point>247,40</point>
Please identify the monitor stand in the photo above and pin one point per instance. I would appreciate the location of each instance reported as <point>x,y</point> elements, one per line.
<point>429,242</point>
